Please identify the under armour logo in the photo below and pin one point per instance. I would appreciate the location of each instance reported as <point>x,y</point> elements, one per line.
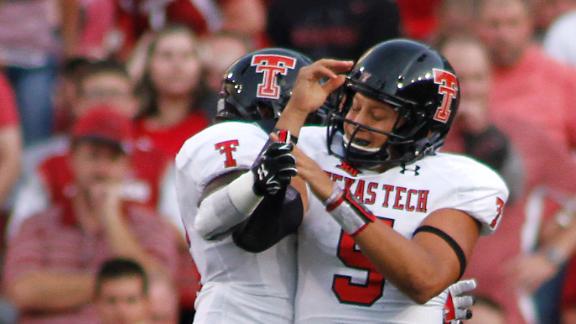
<point>271,65</point>
<point>415,169</point>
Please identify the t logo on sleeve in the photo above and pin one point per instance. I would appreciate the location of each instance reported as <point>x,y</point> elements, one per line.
<point>226,148</point>
<point>270,66</point>
<point>448,88</point>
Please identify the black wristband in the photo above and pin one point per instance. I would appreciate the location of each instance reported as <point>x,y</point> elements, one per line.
<point>448,239</point>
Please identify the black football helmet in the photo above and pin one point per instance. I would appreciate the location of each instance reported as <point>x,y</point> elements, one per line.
<point>418,83</point>
<point>258,85</point>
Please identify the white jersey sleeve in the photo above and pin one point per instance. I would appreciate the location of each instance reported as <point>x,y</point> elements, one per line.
<point>215,151</point>
<point>478,190</point>
<point>220,149</point>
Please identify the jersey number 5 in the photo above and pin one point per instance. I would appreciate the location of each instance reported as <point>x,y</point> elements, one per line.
<point>348,292</point>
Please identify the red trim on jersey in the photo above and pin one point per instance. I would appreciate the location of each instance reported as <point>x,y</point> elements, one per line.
<point>499,210</point>
<point>331,206</point>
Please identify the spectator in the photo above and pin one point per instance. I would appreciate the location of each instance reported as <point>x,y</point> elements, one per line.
<point>473,132</point>
<point>10,142</point>
<point>105,82</point>
<point>418,18</point>
<point>138,18</point>
<point>50,179</point>
<point>163,301</point>
<point>454,17</point>
<point>558,40</point>
<point>46,171</point>
<point>52,260</point>
<point>170,90</point>
<point>29,47</point>
<point>245,17</point>
<point>218,52</point>
<point>523,73</point>
<point>332,28</point>
<point>84,84</point>
<point>66,92</point>
<point>510,265</point>
<point>97,36</point>
<point>122,292</point>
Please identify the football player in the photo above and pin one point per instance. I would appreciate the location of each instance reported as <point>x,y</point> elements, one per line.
<point>391,221</point>
<point>214,167</point>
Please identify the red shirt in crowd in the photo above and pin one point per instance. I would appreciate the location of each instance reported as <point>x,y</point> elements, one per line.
<point>419,19</point>
<point>169,139</point>
<point>143,184</point>
<point>8,109</point>
<point>539,91</point>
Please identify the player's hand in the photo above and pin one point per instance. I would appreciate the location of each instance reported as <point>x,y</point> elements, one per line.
<point>315,83</point>
<point>313,174</point>
<point>459,303</point>
<point>274,168</point>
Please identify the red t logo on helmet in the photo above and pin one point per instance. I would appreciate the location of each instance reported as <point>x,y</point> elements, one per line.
<point>448,88</point>
<point>270,66</point>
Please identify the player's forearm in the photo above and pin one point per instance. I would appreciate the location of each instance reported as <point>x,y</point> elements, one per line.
<point>292,119</point>
<point>406,264</point>
<point>227,207</point>
<point>50,291</point>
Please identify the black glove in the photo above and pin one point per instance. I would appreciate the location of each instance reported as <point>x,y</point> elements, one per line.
<point>274,168</point>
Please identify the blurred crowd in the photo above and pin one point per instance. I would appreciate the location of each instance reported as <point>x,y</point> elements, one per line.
<point>97,97</point>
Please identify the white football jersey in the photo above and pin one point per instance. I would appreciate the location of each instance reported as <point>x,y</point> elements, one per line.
<point>336,282</point>
<point>238,286</point>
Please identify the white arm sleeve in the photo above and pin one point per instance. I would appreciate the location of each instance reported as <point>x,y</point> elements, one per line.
<point>226,207</point>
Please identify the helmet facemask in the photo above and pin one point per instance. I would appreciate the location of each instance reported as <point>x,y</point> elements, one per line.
<point>407,141</point>
<point>418,83</point>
